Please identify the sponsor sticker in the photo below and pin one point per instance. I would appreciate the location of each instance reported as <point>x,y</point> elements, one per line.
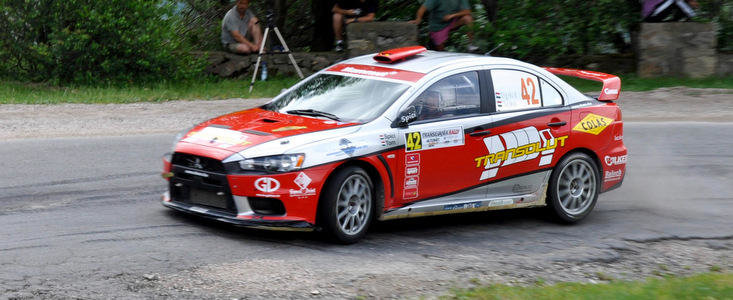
<point>302,181</point>
<point>267,184</point>
<point>613,175</point>
<point>347,147</point>
<point>468,205</point>
<point>593,124</point>
<point>434,139</point>
<point>267,196</point>
<point>222,136</point>
<point>411,181</point>
<point>289,128</point>
<point>615,160</point>
<point>409,193</point>
<point>412,159</point>
<point>196,173</point>
<point>388,139</point>
<point>500,202</point>
<point>610,91</point>
<point>517,146</point>
<point>412,170</point>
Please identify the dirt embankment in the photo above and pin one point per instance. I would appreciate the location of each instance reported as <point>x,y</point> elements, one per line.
<point>61,120</point>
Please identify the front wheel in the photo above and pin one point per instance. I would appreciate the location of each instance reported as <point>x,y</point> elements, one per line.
<point>574,187</point>
<point>347,205</point>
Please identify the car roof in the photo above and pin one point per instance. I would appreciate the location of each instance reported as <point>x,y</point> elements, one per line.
<point>431,60</point>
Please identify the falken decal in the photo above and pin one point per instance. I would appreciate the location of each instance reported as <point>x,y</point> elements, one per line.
<point>593,124</point>
<point>289,128</point>
<point>518,146</point>
<point>434,139</point>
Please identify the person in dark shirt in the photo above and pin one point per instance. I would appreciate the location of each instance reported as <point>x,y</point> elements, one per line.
<point>349,11</point>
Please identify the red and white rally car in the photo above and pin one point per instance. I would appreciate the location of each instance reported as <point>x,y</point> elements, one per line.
<point>405,133</point>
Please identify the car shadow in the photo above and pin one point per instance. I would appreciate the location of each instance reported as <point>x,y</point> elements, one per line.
<point>383,232</point>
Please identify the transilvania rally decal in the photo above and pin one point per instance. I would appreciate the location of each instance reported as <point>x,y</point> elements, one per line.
<point>593,124</point>
<point>222,136</point>
<point>517,146</point>
<point>434,139</point>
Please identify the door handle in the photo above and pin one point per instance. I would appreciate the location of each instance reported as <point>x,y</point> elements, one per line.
<point>480,133</point>
<point>557,124</point>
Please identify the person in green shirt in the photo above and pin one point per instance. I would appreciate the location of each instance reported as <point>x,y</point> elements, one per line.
<point>445,16</point>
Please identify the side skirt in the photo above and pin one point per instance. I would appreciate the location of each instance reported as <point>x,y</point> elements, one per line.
<point>455,204</point>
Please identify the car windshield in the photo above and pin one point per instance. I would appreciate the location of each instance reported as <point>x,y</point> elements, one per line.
<point>348,99</point>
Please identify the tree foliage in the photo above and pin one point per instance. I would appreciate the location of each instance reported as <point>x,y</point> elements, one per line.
<point>88,41</point>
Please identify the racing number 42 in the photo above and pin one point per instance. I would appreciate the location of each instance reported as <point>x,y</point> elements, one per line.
<point>413,141</point>
<point>525,94</point>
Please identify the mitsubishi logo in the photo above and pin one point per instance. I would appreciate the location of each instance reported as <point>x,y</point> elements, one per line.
<point>267,184</point>
<point>195,163</point>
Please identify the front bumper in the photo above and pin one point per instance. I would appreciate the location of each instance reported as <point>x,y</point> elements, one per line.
<point>226,217</point>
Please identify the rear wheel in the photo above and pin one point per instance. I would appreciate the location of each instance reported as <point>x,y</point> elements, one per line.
<point>574,187</point>
<point>347,205</point>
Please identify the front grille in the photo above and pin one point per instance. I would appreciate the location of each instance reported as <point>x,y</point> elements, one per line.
<point>198,162</point>
<point>200,182</point>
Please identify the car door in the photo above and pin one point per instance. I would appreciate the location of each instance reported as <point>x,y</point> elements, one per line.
<point>528,134</point>
<point>438,157</point>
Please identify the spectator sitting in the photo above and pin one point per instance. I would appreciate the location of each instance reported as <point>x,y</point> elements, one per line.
<point>234,28</point>
<point>445,16</point>
<point>349,11</point>
<point>668,10</point>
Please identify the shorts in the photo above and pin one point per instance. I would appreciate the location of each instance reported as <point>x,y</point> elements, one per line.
<point>231,47</point>
<point>439,37</point>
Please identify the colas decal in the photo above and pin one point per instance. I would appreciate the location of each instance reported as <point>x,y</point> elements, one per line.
<point>593,124</point>
<point>518,146</point>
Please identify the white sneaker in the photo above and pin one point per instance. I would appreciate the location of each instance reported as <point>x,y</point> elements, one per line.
<point>472,48</point>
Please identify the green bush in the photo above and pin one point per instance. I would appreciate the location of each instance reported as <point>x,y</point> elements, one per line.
<point>92,42</point>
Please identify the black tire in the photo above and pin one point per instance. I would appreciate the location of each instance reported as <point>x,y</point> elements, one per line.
<point>574,187</point>
<point>346,207</point>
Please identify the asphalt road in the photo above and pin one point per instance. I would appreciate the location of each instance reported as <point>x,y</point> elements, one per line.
<point>80,217</point>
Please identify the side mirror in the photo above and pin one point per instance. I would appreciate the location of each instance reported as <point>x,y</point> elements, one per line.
<point>406,117</point>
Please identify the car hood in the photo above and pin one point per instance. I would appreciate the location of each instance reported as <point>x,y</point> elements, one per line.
<point>241,130</point>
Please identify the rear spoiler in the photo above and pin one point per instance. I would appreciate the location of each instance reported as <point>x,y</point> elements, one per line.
<point>611,83</point>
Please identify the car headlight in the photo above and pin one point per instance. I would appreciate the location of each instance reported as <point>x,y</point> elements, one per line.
<point>275,163</point>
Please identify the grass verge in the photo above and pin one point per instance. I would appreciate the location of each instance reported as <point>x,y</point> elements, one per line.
<point>703,286</point>
<point>34,93</point>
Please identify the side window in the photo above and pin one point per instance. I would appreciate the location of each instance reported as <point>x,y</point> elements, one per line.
<point>454,95</point>
<point>550,96</point>
<point>516,90</point>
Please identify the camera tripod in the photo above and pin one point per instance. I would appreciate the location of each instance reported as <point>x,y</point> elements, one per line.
<point>270,28</point>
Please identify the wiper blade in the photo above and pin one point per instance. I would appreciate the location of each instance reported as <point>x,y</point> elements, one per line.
<point>314,113</point>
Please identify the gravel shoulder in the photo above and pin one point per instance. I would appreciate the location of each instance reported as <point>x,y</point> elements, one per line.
<point>62,120</point>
